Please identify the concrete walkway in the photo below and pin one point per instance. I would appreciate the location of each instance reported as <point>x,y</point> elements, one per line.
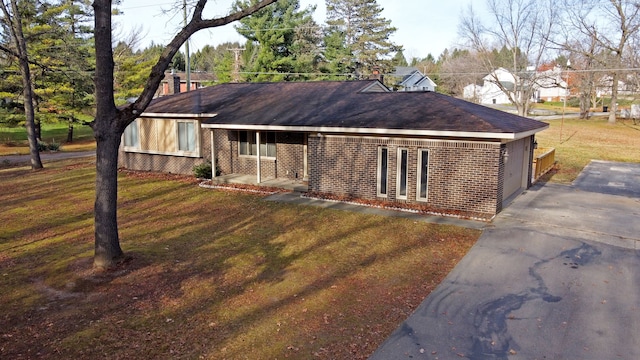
<point>556,276</point>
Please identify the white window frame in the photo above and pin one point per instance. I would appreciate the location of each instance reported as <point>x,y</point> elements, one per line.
<point>419,173</point>
<point>251,142</point>
<point>379,178</point>
<point>131,134</point>
<point>196,144</point>
<point>399,174</point>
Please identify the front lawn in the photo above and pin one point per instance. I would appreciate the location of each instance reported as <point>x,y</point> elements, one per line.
<point>577,142</point>
<point>210,274</point>
<point>13,141</point>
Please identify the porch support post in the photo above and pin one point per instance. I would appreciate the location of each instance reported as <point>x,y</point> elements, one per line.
<point>258,164</point>
<point>213,156</point>
<point>305,152</point>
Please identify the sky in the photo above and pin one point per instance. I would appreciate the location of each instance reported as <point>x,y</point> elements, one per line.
<point>423,26</point>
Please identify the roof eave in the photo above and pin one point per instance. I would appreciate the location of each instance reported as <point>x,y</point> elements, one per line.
<point>177,115</point>
<point>377,131</point>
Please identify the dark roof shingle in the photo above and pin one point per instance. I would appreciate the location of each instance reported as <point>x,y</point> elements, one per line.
<point>340,104</point>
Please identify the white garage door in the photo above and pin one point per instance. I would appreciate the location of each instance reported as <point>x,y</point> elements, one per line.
<point>514,167</point>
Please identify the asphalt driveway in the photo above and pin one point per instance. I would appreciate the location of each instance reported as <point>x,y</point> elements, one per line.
<point>555,276</point>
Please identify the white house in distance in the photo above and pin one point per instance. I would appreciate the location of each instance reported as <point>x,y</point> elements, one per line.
<point>549,86</point>
<point>489,92</point>
<point>411,79</point>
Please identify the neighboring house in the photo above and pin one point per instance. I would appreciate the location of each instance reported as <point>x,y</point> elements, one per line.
<point>351,138</point>
<point>176,82</point>
<point>411,79</point>
<point>626,85</point>
<point>489,92</point>
<point>550,85</point>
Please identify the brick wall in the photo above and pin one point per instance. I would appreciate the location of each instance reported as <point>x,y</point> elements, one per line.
<point>166,163</point>
<point>463,175</point>
<point>289,161</point>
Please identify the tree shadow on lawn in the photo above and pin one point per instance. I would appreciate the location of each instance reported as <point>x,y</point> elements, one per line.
<point>224,275</point>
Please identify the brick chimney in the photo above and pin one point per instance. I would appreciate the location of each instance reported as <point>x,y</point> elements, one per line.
<point>376,74</point>
<point>174,83</point>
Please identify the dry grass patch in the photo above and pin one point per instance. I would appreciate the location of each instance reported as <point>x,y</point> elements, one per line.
<point>586,140</point>
<point>210,274</point>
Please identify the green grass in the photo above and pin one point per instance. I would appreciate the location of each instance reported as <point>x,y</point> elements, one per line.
<point>577,142</point>
<point>210,274</point>
<point>13,141</point>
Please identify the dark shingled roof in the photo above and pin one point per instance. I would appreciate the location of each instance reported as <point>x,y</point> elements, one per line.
<point>340,104</point>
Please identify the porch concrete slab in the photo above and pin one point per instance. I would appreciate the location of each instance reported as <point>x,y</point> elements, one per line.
<point>287,184</point>
<point>555,276</point>
<point>297,198</point>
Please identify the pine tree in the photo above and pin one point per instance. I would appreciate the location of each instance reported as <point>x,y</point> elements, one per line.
<point>287,40</point>
<point>365,35</point>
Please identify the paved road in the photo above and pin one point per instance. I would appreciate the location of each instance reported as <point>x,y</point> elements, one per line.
<point>45,156</point>
<point>556,276</point>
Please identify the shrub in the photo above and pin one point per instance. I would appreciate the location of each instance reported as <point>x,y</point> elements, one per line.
<point>43,146</point>
<point>202,171</point>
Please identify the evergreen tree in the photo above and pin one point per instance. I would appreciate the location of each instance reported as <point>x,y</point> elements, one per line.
<point>399,59</point>
<point>219,60</point>
<point>287,40</point>
<point>365,32</point>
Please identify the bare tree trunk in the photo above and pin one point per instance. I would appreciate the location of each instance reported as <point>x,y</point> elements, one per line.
<point>70,132</point>
<point>107,243</point>
<point>23,61</point>
<point>111,121</point>
<point>107,133</point>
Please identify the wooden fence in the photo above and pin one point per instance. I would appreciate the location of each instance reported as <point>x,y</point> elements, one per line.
<point>543,161</point>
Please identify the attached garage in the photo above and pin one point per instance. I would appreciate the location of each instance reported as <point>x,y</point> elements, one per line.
<point>516,159</point>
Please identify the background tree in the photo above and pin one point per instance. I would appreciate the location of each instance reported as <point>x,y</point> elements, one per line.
<point>521,29</point>
<point>63,82</point>
<point>399,59</point>
<point>458,69</point>
<point>359,36</point>
<point>607,28</point>
<point>219,60</point>
<point>58,39</point>
<point>286,39</point>
<point>110,121</point>
<point>16,46</point>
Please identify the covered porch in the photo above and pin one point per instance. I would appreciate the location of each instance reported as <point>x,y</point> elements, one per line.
<point>244,179</point>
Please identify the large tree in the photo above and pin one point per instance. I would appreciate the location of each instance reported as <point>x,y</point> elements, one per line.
<point>110,121</point>
<point>602,32</point>
<point>287,39</point>
<point>16,46</point>
<point>516,38</point>
<point>358,36</point>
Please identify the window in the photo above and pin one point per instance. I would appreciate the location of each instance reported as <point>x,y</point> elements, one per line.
<point>423,174</point>
<point>403,173</point>
<point>131,135</point>
<point>186,136</point>
<point>267,144</point>
<point>383,171</point>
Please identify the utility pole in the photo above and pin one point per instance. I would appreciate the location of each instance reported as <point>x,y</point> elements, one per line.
<point>187,66</point>
<point>236,64</point>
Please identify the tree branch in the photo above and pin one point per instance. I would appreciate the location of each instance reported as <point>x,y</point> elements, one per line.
<point>157,72</point>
